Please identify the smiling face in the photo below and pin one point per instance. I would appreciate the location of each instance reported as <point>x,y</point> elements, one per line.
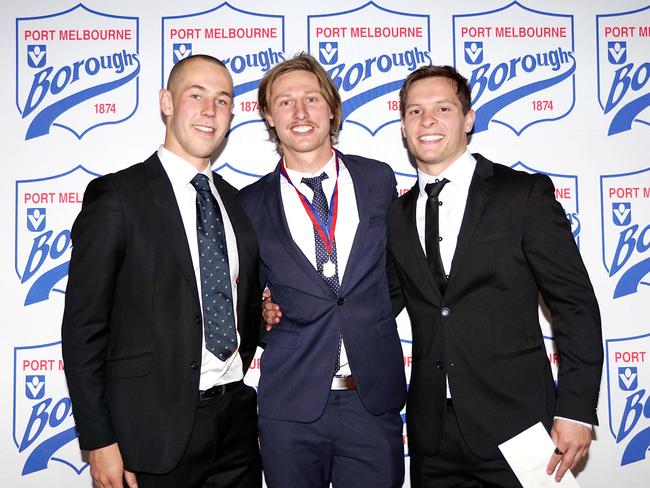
<point>434,125</point>
<point>198,109</point>
<point>301,118</point>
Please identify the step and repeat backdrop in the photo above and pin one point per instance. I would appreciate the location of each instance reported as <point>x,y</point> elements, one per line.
<point>561,88</point>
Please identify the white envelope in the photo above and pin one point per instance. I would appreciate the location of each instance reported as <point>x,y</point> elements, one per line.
<point>528,455</point>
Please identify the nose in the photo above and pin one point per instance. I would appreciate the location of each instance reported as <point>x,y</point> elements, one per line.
<point>207,110</point>
<point>428,119</point>
<point>299,110</point>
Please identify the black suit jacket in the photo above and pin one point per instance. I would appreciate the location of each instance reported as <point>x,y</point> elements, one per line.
<point>132,327</point>
<point>483,332</point>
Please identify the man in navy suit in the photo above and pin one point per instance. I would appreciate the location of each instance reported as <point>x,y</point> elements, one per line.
<point>332,378</point>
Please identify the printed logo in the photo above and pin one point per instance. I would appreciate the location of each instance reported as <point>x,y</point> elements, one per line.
<point>623,63</point>
<point>77,69</point>
<point>625,199</point>
<point>45,210</point>
<point>43,426</point>
<point>621,213</point>
<point>617,52</point>
<point>181,51</point>
<point>474,52</point>
<point>566,192</point>
<point>628,384</point>
<point>520,63</point>
<point>368,51</point>
<point>248,43</point>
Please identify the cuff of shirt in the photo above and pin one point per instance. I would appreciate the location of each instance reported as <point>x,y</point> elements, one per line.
<point>574,421</point>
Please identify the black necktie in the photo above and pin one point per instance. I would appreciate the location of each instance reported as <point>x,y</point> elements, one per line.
<point>319,202</point>
<point>216,293</point>
<point>432,233</point>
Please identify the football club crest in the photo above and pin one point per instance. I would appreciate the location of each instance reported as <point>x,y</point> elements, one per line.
<point>628,383</point>
<point>76,70</point>
<point>248,43</point>
<point>520,63</point>
<point>623,60</point>
<point>566,192</point>
<point>43,426</point>
<point>45,210</point>
<point>368,51</point>
<point>625,201</point>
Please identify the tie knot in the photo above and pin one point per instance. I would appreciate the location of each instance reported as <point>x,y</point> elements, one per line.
<point>201,183</point>
<point>434,189</point>
<point>315,183</point>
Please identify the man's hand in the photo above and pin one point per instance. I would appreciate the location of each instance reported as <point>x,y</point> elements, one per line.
<point>572,441</point>
<point>107,470</point>
<point>271,312</point>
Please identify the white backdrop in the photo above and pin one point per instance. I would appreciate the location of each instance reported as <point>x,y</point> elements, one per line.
<point>559,87</point>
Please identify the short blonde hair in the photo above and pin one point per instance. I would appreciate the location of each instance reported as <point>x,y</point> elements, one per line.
<point>300,62</point>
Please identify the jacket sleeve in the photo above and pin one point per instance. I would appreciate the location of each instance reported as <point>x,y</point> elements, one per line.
<point>560,274</point>
<point>98,237</point>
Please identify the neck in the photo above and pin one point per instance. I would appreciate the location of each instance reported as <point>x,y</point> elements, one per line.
<point>307,162</point>
<point>200,164</point>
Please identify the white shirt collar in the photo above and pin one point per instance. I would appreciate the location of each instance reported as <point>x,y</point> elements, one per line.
<point>329,169</point>
<point>459,173</point>
<point>179,171</point>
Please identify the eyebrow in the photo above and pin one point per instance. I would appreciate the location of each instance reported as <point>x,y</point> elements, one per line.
<point>204,89</point>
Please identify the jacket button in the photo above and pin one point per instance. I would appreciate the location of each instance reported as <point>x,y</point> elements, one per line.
<point>439,365</point>
<point>195,365</point>
<point>445,312</point>
<point>197,319</point>
<point>340,301</point>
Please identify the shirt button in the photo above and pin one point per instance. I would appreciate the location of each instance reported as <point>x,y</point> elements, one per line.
<point>439,365</point>
<point>340,301</point>
<point>445,312</point>
<point>194,365</point>
<point>439,238</point>
<point>197,319</point>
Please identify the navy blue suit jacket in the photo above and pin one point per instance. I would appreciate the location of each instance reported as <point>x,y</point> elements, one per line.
<point>300,353</point>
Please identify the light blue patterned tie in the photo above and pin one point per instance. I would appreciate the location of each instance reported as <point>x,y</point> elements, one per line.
<point>216,293</point>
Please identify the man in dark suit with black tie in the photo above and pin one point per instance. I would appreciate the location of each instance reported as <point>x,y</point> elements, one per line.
<point>473,244</point>
<point>162,307</point>
<point>332,378</point>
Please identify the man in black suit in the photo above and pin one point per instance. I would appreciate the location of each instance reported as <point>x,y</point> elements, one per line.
<point>473,244</point>
<point>162,307</point>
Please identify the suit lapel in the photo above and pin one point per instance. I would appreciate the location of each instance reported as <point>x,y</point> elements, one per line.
<point>273,203</point>
<point>170,216</point>
<point>479,191</point>
<point>362,198</point>
<point>419,271</point>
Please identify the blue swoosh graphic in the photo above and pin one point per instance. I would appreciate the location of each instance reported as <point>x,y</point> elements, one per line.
<point>40,290</point>
<point>246,87</point>
<point>631,279</point>
<point>40,456</point>
<point>485,114</point>
<point>44,120</point>
<point>351,104</point>
<point>623,119</point>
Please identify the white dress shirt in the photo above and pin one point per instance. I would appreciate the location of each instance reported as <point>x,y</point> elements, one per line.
<point>302,229</point>
<point>180,174</point>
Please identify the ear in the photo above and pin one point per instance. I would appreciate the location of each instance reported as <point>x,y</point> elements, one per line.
<point>331,114</point>
<point>469,121</point>
<point>166,102</point>
<point>401,124</point>
<point>269,119</point>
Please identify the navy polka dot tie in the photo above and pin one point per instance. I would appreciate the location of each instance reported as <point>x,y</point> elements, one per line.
<point>216,293</point>
<point>319,202</point>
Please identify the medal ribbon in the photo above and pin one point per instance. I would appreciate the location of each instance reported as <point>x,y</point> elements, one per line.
<point>325,232</point>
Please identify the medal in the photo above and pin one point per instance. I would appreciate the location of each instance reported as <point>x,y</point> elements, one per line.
<point>329,268</point>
